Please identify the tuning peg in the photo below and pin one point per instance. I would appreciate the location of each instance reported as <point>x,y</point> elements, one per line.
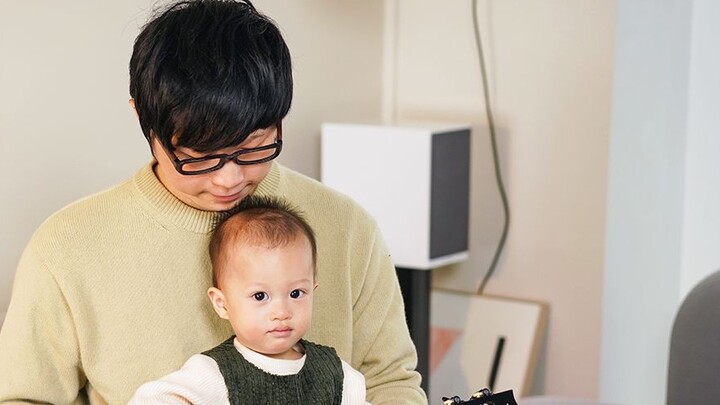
<point>482,393</point>
<point>452,401</point>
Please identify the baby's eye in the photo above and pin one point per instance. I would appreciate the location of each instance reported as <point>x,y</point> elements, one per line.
<point>296,293</point>
<point>259,296</point>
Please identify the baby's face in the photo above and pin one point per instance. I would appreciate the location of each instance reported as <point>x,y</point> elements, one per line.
<point>268,296</point>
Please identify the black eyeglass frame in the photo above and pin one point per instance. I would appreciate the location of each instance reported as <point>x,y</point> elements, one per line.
<point>224,158</point>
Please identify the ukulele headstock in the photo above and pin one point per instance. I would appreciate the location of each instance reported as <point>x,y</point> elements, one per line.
<point>483,397</point>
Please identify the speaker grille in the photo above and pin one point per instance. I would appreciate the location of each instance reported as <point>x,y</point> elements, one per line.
<point>449,193</point>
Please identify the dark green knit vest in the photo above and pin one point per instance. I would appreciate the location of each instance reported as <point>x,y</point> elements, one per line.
<point>320,381</point>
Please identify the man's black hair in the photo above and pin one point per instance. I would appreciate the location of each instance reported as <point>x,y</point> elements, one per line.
<point>209,72</point>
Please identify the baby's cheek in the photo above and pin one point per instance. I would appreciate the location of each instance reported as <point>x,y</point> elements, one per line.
<point>304,324</point>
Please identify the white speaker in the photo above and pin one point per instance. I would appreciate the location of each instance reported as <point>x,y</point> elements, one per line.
<point>414,180</point>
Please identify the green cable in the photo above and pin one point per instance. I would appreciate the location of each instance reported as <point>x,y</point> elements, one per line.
<point>496,160</point>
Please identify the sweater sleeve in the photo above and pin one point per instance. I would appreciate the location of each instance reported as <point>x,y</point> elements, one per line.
<point>39,354</point>
<point>383,349</point>
<point>198,382</point>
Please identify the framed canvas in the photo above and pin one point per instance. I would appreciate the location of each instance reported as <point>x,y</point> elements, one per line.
<point>481,341</point>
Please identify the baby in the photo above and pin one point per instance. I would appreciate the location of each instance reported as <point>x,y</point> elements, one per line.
<point>263,255</point>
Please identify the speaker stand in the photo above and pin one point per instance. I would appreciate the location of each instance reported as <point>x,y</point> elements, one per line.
<point>415,286</point>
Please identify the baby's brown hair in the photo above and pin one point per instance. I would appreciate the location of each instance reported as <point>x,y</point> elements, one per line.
<point>258,221</point>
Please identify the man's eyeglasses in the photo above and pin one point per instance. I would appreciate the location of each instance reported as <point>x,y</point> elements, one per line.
<point>210,163</point>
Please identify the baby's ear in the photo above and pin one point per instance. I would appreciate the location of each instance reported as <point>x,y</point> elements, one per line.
<point>217,299</point>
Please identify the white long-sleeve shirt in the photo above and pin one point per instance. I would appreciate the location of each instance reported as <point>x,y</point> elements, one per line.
<point>199,381</point>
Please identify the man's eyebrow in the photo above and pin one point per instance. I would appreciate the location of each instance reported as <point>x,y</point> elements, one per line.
<point>255,135</point>
<point>258,133</point>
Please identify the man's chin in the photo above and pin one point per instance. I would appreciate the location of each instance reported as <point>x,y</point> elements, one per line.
<point>219,207</point>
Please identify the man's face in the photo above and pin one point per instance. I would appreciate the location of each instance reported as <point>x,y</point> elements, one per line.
<point>267,295</point>
<point>221,189</point>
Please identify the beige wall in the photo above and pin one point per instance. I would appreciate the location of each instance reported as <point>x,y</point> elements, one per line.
<point>65,126</point>
<point>550,67</point>
<point>63,72</point>
<point>337,56</point>
<point>66,129</point>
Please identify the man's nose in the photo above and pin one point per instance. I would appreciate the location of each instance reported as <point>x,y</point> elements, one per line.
<point>229,176</point>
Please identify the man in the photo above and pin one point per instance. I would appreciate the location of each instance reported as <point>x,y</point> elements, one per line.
<point>110,291</point>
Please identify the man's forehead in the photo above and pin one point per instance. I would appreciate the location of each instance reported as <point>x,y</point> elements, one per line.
<point>252,137</point>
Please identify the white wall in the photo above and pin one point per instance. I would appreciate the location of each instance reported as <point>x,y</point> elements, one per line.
<point>644,236</point>
<point>663,223</point>
<point>701,233</point>
<point>65,126</point>
<point>550,67</point>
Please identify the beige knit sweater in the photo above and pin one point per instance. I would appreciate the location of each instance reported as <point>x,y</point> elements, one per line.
<point>111,293</point>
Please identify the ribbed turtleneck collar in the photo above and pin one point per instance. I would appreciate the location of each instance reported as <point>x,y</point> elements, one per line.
<point>271,182</point>
<point>169,210</point>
